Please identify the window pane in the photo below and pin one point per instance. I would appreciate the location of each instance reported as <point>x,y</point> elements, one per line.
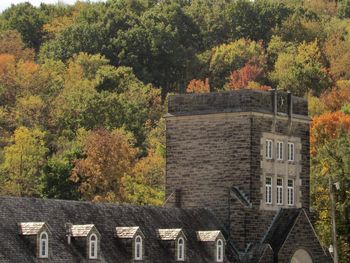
<point>279,150</point>
<point>268,190</point>
<point>279,191</point>
<point>290,192</point>
<point>290,151</point>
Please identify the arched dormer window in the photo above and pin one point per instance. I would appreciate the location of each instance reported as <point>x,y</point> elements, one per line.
<point>219,250</point>
<point>138,248</point>
<point>180,249</point>
<point>44,245</point>
<point>93,247</point>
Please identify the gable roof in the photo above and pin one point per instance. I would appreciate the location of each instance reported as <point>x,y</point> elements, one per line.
<point>208,236</point>
<point>126,232</point>
<point>105,217</point>
<point>30,228</point>
<point>169,234</point>
<point>81,230</point>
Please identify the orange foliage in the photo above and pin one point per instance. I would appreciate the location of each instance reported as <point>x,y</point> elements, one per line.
<point>239,79</point>
<point>11,43</point>
<point>27,74</point>
<point>198,86</point>
<point>337,97</point>
<point>109,157</point>
<point>328,126</point>
<point>8,78</point>
<point>7,68</point>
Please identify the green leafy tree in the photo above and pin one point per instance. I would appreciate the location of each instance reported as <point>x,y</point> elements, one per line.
<point>301,72</point>
<point>23,163</point>
<point>332,164</point>
<point>28,21</point>
<point>55,180</point>
<point>233,56</point>
<point>212,19</point>
<point>344,9</point>
<point>80,37</point>
<point>255,19</point>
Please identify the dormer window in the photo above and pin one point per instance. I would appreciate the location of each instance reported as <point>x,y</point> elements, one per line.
<point>219,250</point>
<point>214,242</point>
<point>38,234</point>
<point>93,247</point>
<point>133,239</point>
<point>87,236</point>
<point>138,248</point>
<point>44,245</point>
<point>180,249</point>
<point>175,238</point>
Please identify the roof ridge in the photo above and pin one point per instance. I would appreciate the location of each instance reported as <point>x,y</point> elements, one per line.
<point>241,196</point>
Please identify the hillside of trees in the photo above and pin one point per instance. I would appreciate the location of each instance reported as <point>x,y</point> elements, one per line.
<point>83,88</point>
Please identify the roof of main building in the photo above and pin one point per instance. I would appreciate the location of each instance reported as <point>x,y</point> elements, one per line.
<point>105,217</point>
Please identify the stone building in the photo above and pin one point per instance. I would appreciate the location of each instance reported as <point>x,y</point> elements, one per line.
<point>237,190</point>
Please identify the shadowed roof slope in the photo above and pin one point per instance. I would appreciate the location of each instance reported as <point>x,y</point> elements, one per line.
<point>105,217</point>
<point>280,227</point>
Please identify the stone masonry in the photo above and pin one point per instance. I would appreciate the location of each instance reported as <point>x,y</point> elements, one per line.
<point>214,144</point>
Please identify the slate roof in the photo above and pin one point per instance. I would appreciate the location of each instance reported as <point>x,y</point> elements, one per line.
<point>30,228</point>
<point>169,234</point>
<point>208,236</point>
<point>105,217</point>
<point>81,230</point>
<point>126,232</point>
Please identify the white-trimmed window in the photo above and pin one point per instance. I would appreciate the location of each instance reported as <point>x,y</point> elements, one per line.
<point>290,151</point>
<point>268,190</point>
<point>44,245</point>
<point>180,249</point>
<point>219,250</point>
<point>290,192</point>
<point>280,151</point>
<point>138,248</point>
<point>93,247</point>
<point>269,149</point>
<point>279,191</point>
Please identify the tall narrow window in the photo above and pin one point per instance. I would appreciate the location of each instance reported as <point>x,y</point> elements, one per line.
<point>268,190</point>
<point>279,150</point>
<point>269,150</point>
<point>219,251</point>
<point>44,245</point>
<point>290,151</point>
<point>93,247</point>
<point>290,192</point>
<point>180,249</point>
<point>138,248</point>
<point>279,191</point>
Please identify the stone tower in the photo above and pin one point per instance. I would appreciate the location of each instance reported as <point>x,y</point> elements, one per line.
<point>243,154</point>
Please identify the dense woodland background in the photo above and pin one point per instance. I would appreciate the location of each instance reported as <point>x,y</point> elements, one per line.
<point>83,89</point>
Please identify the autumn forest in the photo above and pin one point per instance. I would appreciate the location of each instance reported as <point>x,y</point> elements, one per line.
<point>83,90</point>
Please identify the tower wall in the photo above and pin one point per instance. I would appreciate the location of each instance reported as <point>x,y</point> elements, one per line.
<point>216,141</point>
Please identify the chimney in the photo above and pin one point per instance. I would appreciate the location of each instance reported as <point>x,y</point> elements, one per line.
<point>69,232</point>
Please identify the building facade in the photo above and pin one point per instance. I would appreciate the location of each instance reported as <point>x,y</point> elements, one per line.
<point>237,190</point>
<point>245,156</point>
